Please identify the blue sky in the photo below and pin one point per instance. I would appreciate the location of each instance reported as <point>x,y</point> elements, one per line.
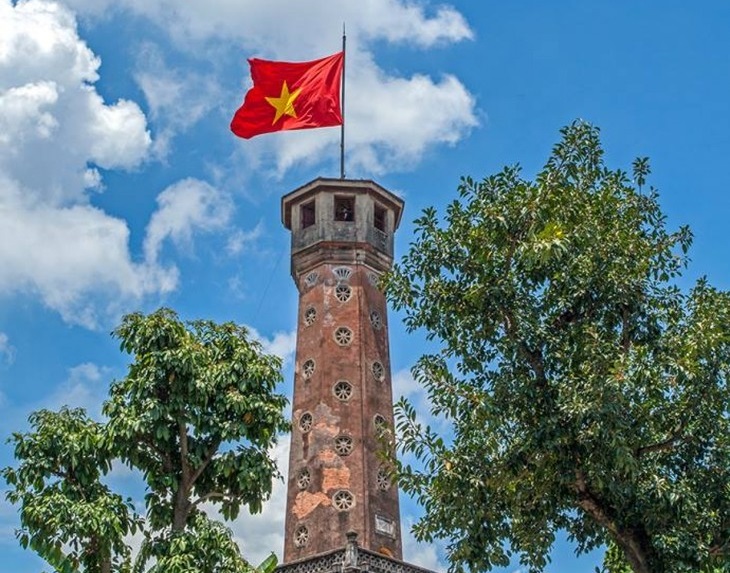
<point>122,189</point>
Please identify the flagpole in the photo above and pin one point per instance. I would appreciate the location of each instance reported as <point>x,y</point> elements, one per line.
<point>342,129</point>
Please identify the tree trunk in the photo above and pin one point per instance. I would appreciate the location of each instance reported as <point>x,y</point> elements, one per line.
<point>182,501</point>
<point>181,508</point>
<point>635,552</point>
<point>106,565</point>
<point>634,543</point>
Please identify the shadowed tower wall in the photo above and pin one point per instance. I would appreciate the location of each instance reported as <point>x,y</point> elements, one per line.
<point>342,242</point>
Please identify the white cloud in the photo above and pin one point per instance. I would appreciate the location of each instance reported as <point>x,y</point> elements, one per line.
<point>187,206</point>
<point>260,534</point>
<point>7,352</point>
<point>253,22</point>
<point>240,239</point>
<point>177,98</point>
<point>391,122</point>
<point>55,129</point>
<point>282,344</point>
<point>86,386</point>
<point>75,258</point>
<point>50,113</point>
<point>405,386</point>
<point>426,555</point>
<point>57,134</point>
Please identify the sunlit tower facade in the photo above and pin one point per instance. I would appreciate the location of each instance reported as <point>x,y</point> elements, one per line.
<point>341,244</point>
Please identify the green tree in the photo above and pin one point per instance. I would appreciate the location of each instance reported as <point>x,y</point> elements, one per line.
<point>67,515</point>
<point>197,415</point>
<point>585,390</point>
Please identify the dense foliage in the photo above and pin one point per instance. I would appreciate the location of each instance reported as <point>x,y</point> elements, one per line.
<point>585,390</point>
<point>69,516</point>
<point>197,415</point>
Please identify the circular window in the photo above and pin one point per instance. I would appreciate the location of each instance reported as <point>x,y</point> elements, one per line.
<point>342,390</point>
<point>308,369</point>
<point>383,479</point>
<point>310,315</point>
<point>305,478</point>
<point>380,423</point>
<point>376,320</point>
<point>374,279</point>
<point>343,500</point>
<point>343,445</point>
<point>305,422</point>
<point>343,292</point>
<point>378,371</point>
<point>301,536</point>
<point>343,336</point>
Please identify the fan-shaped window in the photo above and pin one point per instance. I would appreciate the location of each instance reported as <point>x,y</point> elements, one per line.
<point>311,279</point>
<point>310,315</point>
<point>383,479</point>
<point>342,273</point>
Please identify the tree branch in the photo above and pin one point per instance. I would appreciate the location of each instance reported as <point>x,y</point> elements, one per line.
<point>206,460</point>
<point>663,446</point>
<point>183,435</point>
<point>208,497</point>
<point>625,338</point>
<point>720,550</point>
<point>533,357</point>
<point>631,541</point>
<point>164,456</point>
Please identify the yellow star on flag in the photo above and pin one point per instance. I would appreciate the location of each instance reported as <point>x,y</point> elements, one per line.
<point>284,104</point>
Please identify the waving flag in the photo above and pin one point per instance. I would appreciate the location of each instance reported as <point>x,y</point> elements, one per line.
<point>290,95</point>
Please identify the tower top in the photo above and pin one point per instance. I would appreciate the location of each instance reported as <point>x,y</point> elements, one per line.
<point>344,186</point>
<point>341,220</point>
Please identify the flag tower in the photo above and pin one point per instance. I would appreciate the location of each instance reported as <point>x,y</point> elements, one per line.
<point>342,421</point>
<point>341,243</point>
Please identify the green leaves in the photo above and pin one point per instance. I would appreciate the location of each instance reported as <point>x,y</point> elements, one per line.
<point>67,515</point>
<point>197,414</point>
<point>586,391</point>
<point>204,545</point>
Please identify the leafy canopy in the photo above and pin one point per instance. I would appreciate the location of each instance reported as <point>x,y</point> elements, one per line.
<point>197,415</point>
<point>585,390</point>
<point>68,516</point>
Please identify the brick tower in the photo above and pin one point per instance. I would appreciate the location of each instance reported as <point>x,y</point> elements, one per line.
<point>342,241</point>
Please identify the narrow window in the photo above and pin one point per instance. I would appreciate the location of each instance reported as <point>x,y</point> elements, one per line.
<point>344,208</point>
<point>307,213</point>
<point>379,218</point>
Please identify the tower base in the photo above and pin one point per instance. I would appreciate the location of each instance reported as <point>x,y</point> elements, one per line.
<point>350,559</point>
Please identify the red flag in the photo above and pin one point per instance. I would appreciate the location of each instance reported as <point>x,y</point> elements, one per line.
<point>290,95</point>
